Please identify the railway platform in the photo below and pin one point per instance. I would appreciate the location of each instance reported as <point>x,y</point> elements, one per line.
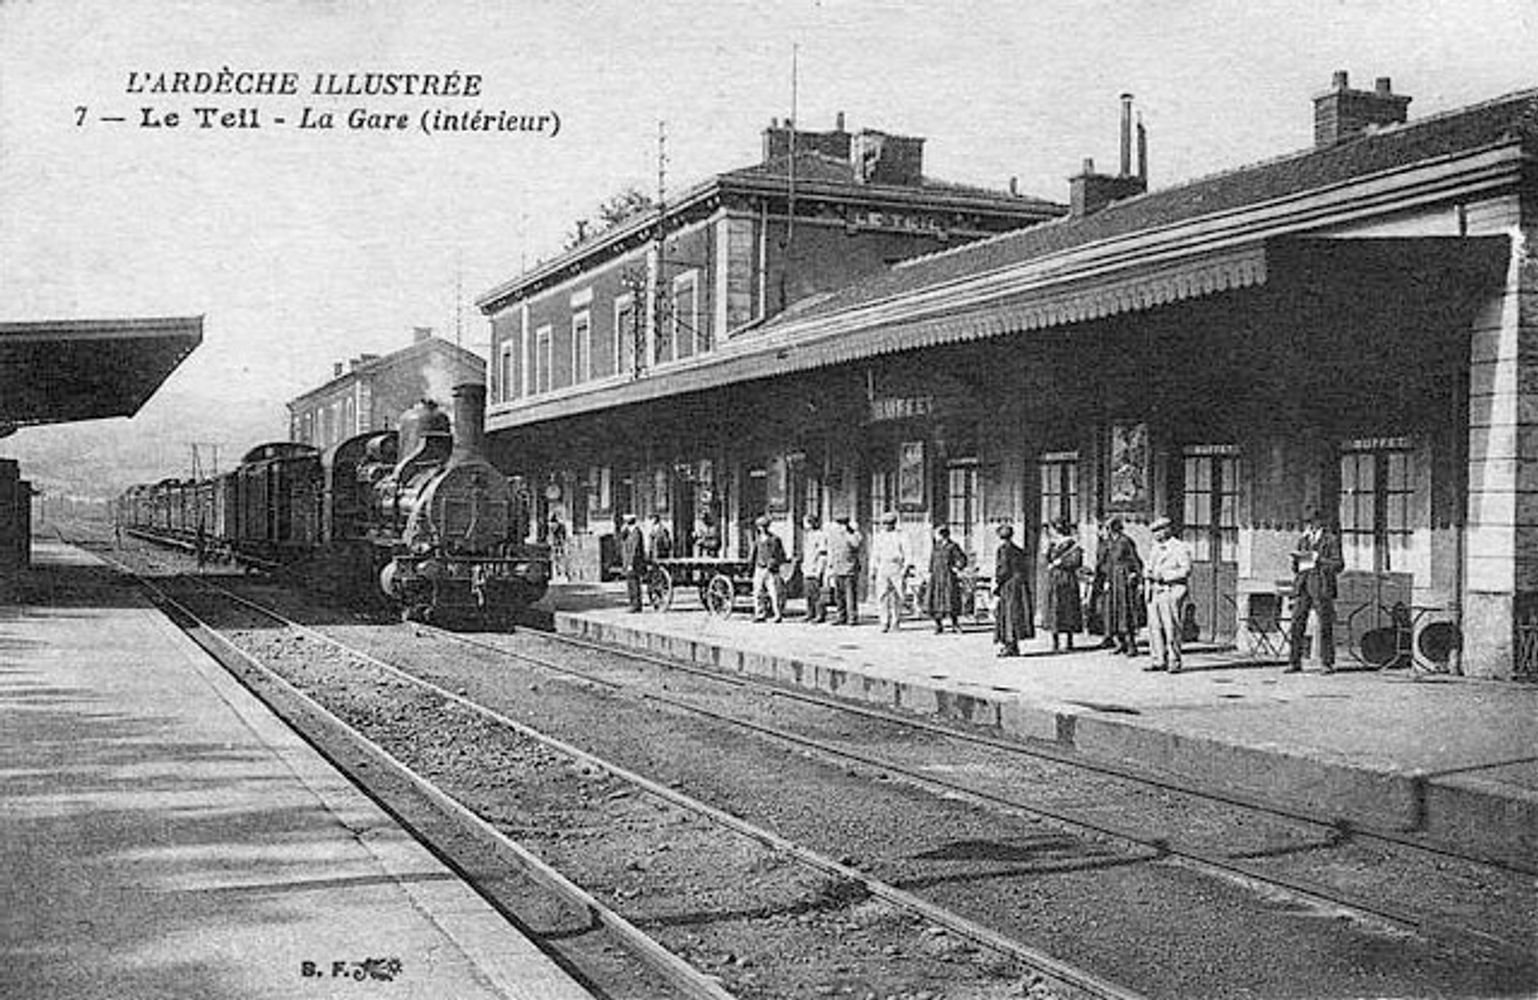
<point>162,834</point>
<point>1450,759</point>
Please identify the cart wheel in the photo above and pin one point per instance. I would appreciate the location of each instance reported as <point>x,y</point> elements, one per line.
<point>659,588</point>
<point>720,594</point>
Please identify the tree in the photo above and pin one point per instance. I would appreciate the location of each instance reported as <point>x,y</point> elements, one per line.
<point>614,211</point>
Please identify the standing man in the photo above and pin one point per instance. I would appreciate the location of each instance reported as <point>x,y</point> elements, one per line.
<point>558,553</point>
<point>659,540</point>
<point>768,556</point>
<point>1315,564</point>
<point>1167,581</point>
<point>632,560</point>
<point>814,564</point>
<point>844,569</point>
<point>888,563</point>
<point>1121,572</point>
<point>1013,619</point>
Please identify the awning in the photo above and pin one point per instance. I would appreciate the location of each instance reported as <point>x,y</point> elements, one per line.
<point>55,371</point>
<point>1049,297</point>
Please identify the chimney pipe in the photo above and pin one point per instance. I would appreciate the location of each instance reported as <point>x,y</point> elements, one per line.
<point>838,121</point>
<point>1142,152</point>
<point>469,423</point>
<point>1126,135</point>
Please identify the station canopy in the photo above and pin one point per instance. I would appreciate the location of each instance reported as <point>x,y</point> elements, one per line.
<point>55,371</point>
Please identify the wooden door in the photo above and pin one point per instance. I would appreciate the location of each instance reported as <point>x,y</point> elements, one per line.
<point>1210,504</point>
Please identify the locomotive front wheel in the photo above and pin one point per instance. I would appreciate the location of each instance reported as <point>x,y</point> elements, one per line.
<point>659,588</point>
<point>719,596</point>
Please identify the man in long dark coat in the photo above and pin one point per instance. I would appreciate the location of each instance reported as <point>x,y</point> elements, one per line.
<point>632,559</point>
<point>1012,584</point>
<point>1121,571</point>
<point>1062,611</point>
<point>944,595</point>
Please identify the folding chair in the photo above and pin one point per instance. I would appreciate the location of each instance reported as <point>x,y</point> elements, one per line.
<point>1262,622</point>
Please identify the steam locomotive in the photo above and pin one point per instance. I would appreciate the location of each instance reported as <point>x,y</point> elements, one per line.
<point>416,517</point>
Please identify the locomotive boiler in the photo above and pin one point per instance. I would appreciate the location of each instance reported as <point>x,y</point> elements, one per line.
<point>455,527</point>
<point>417,517</point>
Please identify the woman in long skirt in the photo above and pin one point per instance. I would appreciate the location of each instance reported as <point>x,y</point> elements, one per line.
<point>1124,609</point>
<point>1011,580</point>
<point>944,595</point>
<point>1062,609</point>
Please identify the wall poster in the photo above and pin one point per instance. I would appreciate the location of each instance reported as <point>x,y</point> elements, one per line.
<point>910,475</point>
<point>1130,470</point>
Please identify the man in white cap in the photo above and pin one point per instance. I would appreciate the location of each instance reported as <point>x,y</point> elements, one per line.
<point>1167,579</point>
<point>767,557</point>
<point>888,564</point>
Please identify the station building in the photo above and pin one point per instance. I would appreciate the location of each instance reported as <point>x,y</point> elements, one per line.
<point>660,296</point>
<point>371,391</point>
<point>1351,326</point>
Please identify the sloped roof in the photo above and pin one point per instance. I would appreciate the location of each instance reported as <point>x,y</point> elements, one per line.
<point>56,371</point>
<point>368,366</point>
<point>1513,117</point>
<point>814,166</point>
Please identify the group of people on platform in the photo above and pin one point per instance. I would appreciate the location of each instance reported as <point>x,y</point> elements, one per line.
<point>1126,594</point>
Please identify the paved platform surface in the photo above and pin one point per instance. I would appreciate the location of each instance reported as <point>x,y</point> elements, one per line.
<point>1453,758</point>
<point>163,835</point>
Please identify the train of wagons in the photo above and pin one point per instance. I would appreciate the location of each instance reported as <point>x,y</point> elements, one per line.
<point>416,517</point>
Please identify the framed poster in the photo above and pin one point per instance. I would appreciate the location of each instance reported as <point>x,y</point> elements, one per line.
<point>1130,472</point>
<point>777,489</point>
<point>910,475</point>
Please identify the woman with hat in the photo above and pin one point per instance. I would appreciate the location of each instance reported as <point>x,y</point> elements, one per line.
<point>1011,579</point>
<point>944,594</point>
<point>1062,611</point>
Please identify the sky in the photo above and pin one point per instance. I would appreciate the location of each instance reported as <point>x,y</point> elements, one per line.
<point>303,247</point>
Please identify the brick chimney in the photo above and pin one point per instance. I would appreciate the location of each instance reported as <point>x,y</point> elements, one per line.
<point>1341,113</point>
<point>882,158</point>
<point>421,333</point>
<point>778,135</point>
<point>1089,192</point>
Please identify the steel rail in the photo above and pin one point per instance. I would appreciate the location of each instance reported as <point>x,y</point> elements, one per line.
<point>1161,847</point>
<point>677,972</point>
<point>1342,828</point>
<point>961,926</point>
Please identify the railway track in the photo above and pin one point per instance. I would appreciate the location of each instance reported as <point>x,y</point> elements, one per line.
<point>1042,974</point>
<point>582,665</point>
<point>1332,832</point>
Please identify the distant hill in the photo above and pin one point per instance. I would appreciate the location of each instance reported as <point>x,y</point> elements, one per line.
<point>97,459</point>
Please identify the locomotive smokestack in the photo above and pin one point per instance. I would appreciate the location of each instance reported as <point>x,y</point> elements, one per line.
<point>469,422</point>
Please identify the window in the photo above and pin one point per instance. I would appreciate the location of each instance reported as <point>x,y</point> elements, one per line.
<point>882,498</point>
<point>626,333</point>
<point>1211,498</point>
<point>1376,489</point>
<point>542,359</point>
<point>739,272</point>
<point>581,346</point>
<point>1059,477</point>
<point>962,510</point>
<point>507,388</point>
<point>689,335</point>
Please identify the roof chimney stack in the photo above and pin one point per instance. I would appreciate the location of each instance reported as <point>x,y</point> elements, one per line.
<point>1089,192</point>
<point>421,333</point>
<point>1126,135</point>
<point>1341,113</point>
